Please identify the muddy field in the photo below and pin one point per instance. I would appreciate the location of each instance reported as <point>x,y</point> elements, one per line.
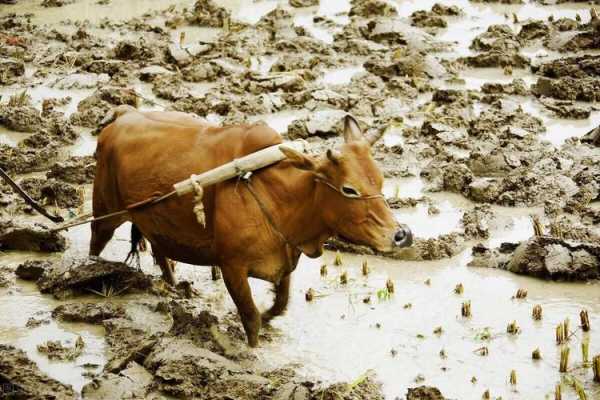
<point>491,152</point>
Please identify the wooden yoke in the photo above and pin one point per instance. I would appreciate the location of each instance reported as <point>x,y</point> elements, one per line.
<point>237,167</point>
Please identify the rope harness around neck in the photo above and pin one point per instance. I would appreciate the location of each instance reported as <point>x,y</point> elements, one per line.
<point>289,246</point>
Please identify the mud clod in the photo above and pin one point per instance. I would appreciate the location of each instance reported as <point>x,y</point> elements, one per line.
<point>133,382</point>
<point>32,270</point>
<point>304,3</point>
<point>367,388</point>
<point>543,257</point>
<point>22,118</point>
<point>55,350</point>
<point>72,276</point>
<point>567,88</point>
<point>424,393</point>
<point>10,70</point>
<point>208,13</point>
<point>92,313</point>
<point>36,237</point>
<point>26,381</point>
<point>372,8</point>
<point>75,170</point>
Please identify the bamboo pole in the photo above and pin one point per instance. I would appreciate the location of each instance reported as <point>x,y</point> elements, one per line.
<point>251,162</point>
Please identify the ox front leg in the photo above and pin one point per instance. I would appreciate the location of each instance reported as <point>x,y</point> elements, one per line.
<point>282,295</point>
<point>239,290</point>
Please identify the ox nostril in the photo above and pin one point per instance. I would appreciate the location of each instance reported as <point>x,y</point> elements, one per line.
<point>403,237</point>
<point>400,235</point>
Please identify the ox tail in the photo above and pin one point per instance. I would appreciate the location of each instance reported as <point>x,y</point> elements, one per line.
<point>138,243</point>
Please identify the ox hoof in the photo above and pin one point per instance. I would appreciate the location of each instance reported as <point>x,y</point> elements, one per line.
<point>253,342</point>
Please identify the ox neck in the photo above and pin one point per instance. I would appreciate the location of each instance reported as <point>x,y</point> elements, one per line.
<point>297,213</point>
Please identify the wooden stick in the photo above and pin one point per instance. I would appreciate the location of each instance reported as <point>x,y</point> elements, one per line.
<point>251,162</point>
<point>36,206</point>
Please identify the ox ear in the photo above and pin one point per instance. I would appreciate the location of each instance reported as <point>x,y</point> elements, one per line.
<point>298,159</point>
<point>352,131</point>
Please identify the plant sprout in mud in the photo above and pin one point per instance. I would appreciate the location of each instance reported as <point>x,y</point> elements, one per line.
<point>537,312</point>
<point>585,352</point>
<point>107,291</point>
<point>466,309</point>
<point>564,359</point>
<point>323,270</point>
<point>585,320</point>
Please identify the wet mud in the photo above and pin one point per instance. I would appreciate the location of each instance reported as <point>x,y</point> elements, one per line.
<point>489,122</point>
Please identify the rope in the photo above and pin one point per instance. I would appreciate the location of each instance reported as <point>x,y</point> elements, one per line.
<point>36,206</point>
<point>135,206</point>
<point>288,245</point>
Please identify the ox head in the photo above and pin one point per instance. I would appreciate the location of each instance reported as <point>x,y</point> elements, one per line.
<point>349,185</point>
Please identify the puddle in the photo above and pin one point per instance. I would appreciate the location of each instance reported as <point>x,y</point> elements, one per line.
<point>340,76</point>
<point>18,305</point>
<point>11,138</point>
<point>338,336</point>
<point>280,120</point>
<point>262,64</point>
<point>338,333</point>
<point>559,129</point>
<point>89,10</point>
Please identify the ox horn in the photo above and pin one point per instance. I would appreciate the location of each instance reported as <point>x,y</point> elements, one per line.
<point>374,136</point>
<point>353,133</point>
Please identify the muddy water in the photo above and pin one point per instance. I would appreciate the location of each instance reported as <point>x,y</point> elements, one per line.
<point>339,336</point>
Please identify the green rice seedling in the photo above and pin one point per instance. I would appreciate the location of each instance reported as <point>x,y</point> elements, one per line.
<point>513,328</point>
<point>459,288</point>
<point>383,294</point>
<point>579,390</point>
<point>338,259</point>
<point>344,278</point>
<point>585,352</point>
<point>513,377</point>
<point>564,359</point>
<point>482,351</point>
<point>521,293</point>
<point>585,320</point>
<point>466,309</point>
<point>389,284</point>
<point>309,295</point>
<point>537,312</point>
<point>365,268</point>
<point>324,270</point>
<point>596,368</point>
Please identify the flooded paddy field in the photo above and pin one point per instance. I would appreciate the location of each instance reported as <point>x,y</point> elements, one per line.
<point>490,114</point>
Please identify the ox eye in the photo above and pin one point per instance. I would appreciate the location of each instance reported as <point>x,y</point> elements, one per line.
<point>349,191</point>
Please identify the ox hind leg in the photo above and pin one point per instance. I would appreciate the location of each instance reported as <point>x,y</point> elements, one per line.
<point>282,295</point>
<point>167,270</point>
<point>239,290</point>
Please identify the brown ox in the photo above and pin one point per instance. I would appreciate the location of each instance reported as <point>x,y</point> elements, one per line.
<point>305,201</point>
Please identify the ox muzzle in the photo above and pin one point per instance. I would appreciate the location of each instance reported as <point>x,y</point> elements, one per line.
<point>403,237</point>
